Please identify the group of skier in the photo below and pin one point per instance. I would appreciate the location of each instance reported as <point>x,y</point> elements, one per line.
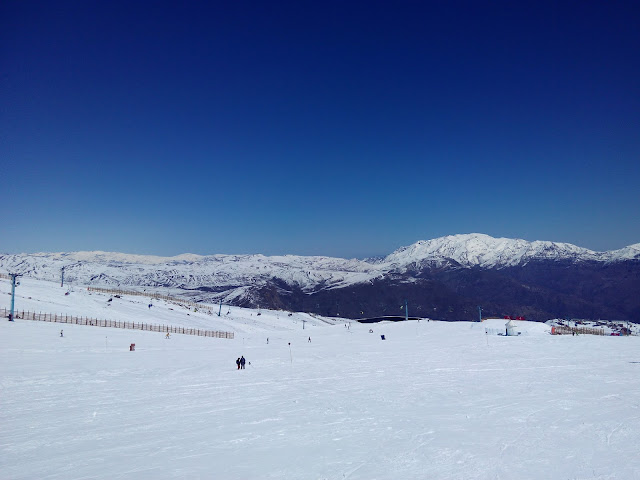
<point>240,363</point>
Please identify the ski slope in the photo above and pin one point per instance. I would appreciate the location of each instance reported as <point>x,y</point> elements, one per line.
<point>48,297</point>
<point>434,400</point>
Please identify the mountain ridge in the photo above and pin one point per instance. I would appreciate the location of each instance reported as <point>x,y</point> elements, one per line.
<point>454,244</point>
<point>452,273</point>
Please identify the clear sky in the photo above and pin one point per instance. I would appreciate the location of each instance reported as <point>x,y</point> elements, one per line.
<point>316,128</point>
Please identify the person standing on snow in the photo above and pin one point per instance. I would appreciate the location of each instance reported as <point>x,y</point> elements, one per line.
<point>242,362</point>
<point>238,363</point>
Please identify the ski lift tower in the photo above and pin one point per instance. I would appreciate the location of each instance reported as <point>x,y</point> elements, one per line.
<point>406,311</point>
<point>13,293</point>
<point>479,313</point>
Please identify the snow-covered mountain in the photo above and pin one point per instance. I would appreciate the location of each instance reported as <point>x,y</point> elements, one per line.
<point>192,271</point>
<point>231,274</point>
<point>257,279</point>
<point>479,250</point>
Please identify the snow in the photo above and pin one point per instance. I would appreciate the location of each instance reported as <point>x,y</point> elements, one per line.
<point>236,276</point>
<point>434,400</point>
<point>47,297</point>
<point>477,249</point>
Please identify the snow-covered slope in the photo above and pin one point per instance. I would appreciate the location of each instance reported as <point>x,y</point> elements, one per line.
<point>434,400</point>
<point>41,296</point>
<point>231,277</point>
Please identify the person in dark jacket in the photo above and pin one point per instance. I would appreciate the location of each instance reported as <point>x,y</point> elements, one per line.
<point>242,362</point>
<point>238,363</point>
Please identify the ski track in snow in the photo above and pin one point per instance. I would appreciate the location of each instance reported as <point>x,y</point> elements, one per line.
<point>431,401</point>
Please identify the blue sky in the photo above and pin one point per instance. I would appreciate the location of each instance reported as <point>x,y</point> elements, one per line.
<point>317,128</point>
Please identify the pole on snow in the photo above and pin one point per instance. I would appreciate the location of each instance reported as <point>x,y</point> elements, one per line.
<point>13,293</point>
<point>406,311</point>
<point>479,313</point>
<point>62,277</point>
<point>303,322</point>
<point>220,311</point>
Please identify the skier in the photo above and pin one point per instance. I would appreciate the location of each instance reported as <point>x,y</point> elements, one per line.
<point>309,339</point>
<point>267,340</point>
<point>238,363</point>
<point>242,362</point>
<point>167,336</point>
<point>61,333</point>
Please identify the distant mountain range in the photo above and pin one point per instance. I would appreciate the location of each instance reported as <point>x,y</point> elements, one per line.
<point>445,278</point>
